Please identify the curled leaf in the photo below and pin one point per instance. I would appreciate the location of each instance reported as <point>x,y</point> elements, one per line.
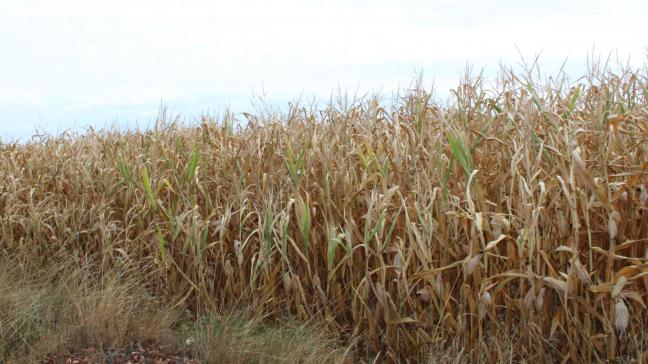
<point>643,195</point>
<point>581,272</point>
<point>635,296</point>
<point>486,298</point>
<point>621,316</point>
<point>612,228</point>
<point>540,299</point>
<point>423,294</point>
<point>437,284</point>
<point>528,300</point>
<point>618,286</point>
<point>557,284</point>
<point>564,248</point>
<point>471,264</point>
<point>492,244</point>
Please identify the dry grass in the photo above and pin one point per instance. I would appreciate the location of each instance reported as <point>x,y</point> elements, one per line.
<point>242,337</point>
<point>66,309</point>
<point>410,227</point>
<point>56,311</point>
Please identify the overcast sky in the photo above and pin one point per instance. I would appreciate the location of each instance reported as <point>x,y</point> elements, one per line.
<point>68,64</point>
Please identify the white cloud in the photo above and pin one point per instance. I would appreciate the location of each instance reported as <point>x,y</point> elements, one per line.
<point>94,55</point>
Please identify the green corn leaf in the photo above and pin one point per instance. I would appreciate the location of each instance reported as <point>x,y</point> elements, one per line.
<point>572,102</point>
<point>149,189</point>
<point>392,226</point>
<point>574,98</point>
<point>330,251</point>
<point>461,153</point>
<point>162,245</point>
<point>193,164</point>
<point>305,219</point>
<point>125,172</point>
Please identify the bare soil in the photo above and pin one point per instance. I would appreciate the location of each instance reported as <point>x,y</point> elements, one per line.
<point>153,353</point>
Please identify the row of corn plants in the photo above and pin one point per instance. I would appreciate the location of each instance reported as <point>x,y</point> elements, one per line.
<point>510,219</point>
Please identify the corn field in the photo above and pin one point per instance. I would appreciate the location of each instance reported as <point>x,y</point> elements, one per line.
<point>508,221</point>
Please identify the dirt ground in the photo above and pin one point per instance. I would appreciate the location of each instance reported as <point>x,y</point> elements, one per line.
<point>153,353</point>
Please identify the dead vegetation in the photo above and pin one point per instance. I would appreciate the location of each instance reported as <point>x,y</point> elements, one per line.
<point>74,311</point>
<point>64,309</point>
<point>509,223</point>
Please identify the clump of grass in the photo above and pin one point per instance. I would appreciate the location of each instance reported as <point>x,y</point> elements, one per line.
<point>67,309</point>
<point>243,337</point>
<point>517,207</point>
